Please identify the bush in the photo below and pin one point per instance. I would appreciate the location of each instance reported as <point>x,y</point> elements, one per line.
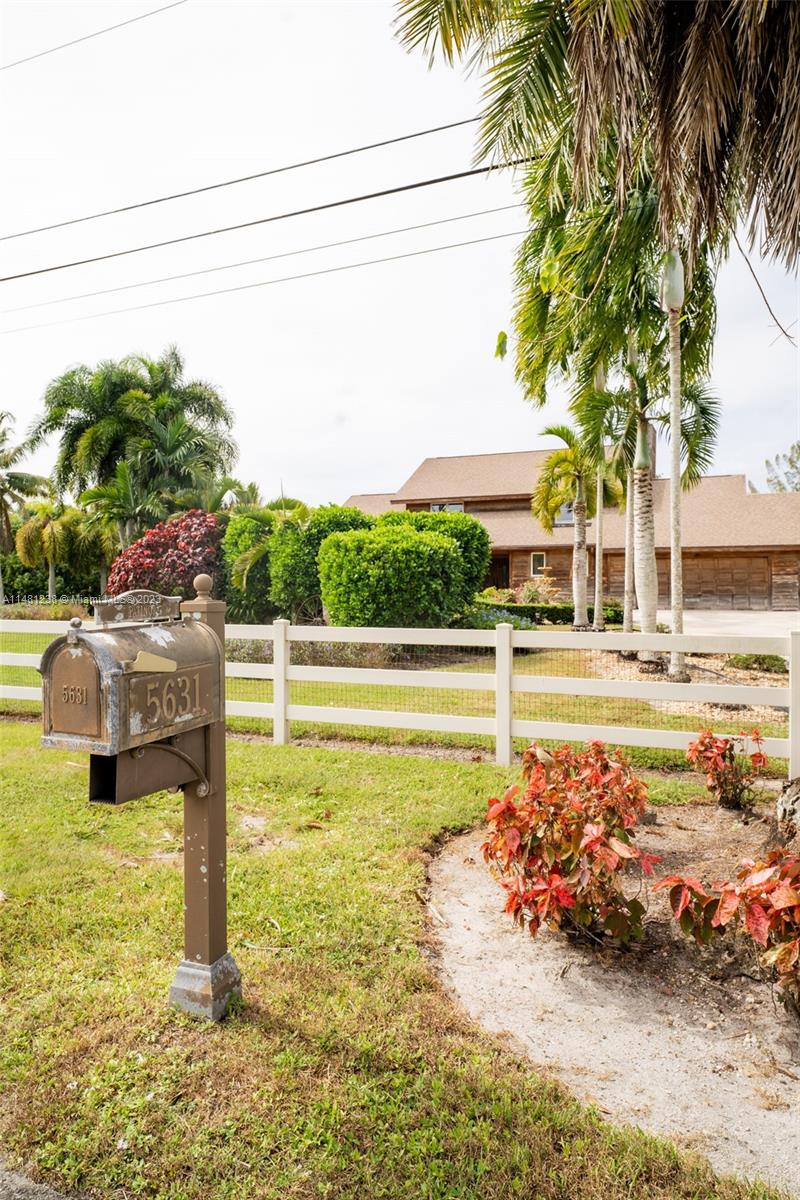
<point>250,604</point>
<point>169,556</point>
<point>728,775</point>
<point>557,614</point>
<point>561,849</point>
<point>494,595</point>
<point>469,534</point>
<point>295,588</point>
<point>540,590</point>
<point>763,900</point>
<point>479,616</point>
<point>57,611</point>
<point>771,664</point>
<point>26,585</point>
<point>391,576</point>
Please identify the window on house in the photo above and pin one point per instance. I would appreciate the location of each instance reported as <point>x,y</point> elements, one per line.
<point>455,507</point>
<point>538,563</point>
<point>565,516</point>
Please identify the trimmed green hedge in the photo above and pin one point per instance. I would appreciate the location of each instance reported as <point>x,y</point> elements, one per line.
<point>391,576</point>
<point>293,558</point>
<point>469,534</point>
<point>554,614</point>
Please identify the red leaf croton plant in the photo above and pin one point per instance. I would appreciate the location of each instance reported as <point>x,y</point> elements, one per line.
<point>561,844</point>
<point>730,772</point>
<point>763,900</point>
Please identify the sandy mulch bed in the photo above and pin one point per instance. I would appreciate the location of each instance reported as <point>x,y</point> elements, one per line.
<point>677,1040</point>
<point>708,668</point>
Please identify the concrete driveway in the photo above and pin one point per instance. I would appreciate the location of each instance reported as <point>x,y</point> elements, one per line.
<point>740,623</point>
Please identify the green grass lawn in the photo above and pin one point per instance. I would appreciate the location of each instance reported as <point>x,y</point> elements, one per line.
<point>348,1073</point>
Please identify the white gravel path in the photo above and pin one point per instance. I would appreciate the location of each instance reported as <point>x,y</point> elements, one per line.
<point>725,1086</point>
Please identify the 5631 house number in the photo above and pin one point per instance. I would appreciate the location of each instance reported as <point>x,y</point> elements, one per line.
<point>71,694</point>
<point>157,701</point>
<point>171,698</point>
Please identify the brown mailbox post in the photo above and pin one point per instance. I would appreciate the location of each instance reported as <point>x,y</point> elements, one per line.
<point>143,691</point>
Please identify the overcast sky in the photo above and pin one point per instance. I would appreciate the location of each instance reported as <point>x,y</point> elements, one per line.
<point>341,383</point>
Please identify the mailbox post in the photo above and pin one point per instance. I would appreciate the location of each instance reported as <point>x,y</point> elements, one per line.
<point>143,692</point>
<point>208,977</point>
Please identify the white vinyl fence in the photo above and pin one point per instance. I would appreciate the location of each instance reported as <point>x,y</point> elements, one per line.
<point>504,681</point>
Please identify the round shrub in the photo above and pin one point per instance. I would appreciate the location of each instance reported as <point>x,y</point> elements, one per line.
<point>391,576</point>
<point>293,558</point>
<point>469,534</point>
<point>248,603</point>
<point>169,556</point>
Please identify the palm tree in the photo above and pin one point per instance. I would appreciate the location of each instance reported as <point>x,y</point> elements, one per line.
<point>121,503</point>
<point>48,538</point>
<point>214,494</point>
<point>566,479</point>
<point>634,412</point>
<point>588,296</point>
<point>98,412</point>
<point>707,88</point>
<point>269,517</point>
<point>15,487</point>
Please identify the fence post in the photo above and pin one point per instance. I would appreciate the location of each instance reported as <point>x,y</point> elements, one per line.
<point>794,704</point>
<point>280,684</point>
<point>504,659</point>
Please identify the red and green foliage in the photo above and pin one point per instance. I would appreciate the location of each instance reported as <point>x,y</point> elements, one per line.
<point>763,900</point>
<point>562,845</point>
<point>730,772</point>
<point>169,556</point>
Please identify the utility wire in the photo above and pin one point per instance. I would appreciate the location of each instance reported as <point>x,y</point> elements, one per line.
<point>244,287</point>
<point>298,212</point>
<point>88,36</point>
<point>248,262</point>
<point>210,187</point>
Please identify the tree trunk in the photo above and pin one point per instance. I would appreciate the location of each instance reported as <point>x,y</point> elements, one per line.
<point>599,619</point>
<point>2,589</point>
<point>103,578</point>
<point>51,579</point>
<point>630,593</point>
<point>644,539</point>
<point>580,617</point>
<point>677,663</point>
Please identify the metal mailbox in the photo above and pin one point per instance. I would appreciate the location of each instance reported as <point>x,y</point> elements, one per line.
<point>137,695</point>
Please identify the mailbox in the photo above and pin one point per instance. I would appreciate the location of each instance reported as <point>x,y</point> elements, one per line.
<point>137,695</point>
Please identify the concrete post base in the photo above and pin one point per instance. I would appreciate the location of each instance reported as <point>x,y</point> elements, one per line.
<point>204,990</point>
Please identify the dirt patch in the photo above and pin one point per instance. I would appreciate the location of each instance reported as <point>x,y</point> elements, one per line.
<point>681,1041</point>
<point>706,668</point>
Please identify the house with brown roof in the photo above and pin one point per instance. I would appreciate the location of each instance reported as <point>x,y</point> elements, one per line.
<point>740,550</point>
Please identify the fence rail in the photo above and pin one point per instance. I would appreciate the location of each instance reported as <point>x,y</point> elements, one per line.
<point>502,682</point>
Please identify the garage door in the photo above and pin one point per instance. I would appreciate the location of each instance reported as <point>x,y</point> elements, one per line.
<point>726,581</point>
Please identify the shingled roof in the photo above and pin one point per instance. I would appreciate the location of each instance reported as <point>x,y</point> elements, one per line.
<point>474,477</point>
<point>718,513</point>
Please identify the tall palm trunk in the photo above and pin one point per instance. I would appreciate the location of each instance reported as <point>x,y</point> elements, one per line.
<point>677,662</point>
<point>599,619</point>
<point>672,297</point>
<point>645,573</point>
<point>103,577</point>
<point>580,616</point>
<point>51,579</point>
<point>630,591</point>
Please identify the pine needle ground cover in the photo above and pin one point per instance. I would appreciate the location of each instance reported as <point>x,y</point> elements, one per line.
<point>347,1073</point>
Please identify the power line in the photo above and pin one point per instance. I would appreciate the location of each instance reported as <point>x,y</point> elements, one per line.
<point>248,262</point>
<point>88,36</point>
<point>210,187</point>
<point>244,287</point>
<point>298,212</point>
